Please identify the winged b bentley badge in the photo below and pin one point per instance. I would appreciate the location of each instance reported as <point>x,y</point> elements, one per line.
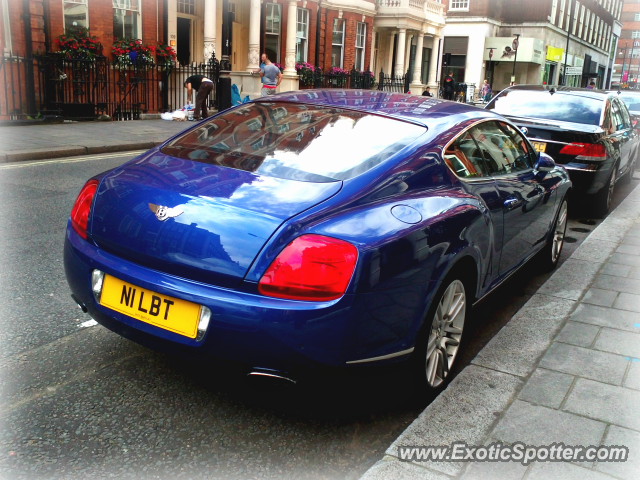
<point>163,213</point>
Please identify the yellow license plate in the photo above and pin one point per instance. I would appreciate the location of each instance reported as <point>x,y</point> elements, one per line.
<point>539,146</point>
<point>173,314</point>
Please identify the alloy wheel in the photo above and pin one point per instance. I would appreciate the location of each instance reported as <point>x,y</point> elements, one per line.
<point>559,232</point>
<point>445,334</point>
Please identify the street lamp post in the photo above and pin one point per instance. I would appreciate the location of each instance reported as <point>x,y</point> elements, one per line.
<point>514,45</point>
<point>490,72</point>
<point>566,50</point>
<point>624,54</point>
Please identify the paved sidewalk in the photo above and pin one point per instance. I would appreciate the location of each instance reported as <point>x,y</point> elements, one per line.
<point>565,369</point>
<point>36,142</point>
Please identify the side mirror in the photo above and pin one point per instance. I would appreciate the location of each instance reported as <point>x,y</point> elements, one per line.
<point>634,120</point>
<point>545,163</point>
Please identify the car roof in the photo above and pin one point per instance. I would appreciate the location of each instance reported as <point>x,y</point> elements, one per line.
<point>581,92</point>
<point>407,107</point>
<point>624,92</point>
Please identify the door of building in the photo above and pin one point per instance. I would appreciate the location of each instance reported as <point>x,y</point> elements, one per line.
<point>183,37</point>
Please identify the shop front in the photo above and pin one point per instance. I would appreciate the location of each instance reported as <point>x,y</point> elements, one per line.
<point>503,60</point>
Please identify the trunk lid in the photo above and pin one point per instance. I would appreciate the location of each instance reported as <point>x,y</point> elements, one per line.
<point>198,221</point>
<point>555,135</point>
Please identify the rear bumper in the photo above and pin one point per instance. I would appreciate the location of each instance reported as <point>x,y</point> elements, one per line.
<point>588,178</point>
<point>249,329</point>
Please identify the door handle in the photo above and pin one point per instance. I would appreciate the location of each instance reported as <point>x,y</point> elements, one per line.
<point>511,203</point>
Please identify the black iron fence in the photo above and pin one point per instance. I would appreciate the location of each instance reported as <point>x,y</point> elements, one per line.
<point>393,83</point>
<point>354,79</point>
<point>85,89</point>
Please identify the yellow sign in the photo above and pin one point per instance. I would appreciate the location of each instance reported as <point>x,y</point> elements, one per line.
<point>170,313</point>
<point>554,54</point>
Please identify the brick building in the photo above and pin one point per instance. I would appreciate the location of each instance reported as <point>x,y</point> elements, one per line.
<point>325,33</point>
<point>627,59</point>
<point>479,36</point>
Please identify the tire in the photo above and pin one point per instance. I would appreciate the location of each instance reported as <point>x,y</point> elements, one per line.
<point>602,199</point>
<point>550,253</point>
<point>440,337</point>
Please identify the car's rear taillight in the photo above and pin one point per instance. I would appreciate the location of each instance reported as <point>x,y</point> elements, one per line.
<point>585,151</point>
<point>80,210</point>
<point>312,268</point>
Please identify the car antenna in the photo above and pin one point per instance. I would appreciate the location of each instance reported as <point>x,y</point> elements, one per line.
<point>552,90</point>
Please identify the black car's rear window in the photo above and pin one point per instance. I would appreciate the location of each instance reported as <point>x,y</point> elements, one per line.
<point>549,106</point>
<point>295,141</point>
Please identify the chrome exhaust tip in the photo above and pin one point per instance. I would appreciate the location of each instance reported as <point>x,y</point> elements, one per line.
<point>81,305</point>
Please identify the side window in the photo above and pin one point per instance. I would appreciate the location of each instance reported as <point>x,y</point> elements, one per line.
<point>616,116</point>
<point>624,113</point>
<point>505,149</point>
<point>464,158</point>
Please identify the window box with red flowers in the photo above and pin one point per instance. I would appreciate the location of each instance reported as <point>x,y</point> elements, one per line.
<point>78,44</point>
<point>127,52</point>
<point>165,55</point>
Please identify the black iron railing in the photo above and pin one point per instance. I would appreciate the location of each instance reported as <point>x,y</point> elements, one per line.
<point>393,83</point>
<point>84,89</point>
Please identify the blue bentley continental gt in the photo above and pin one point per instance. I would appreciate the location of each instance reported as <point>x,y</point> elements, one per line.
<point>335,228</point>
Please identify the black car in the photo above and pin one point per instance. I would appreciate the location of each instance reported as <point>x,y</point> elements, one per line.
<point>589,132</point>
<point>631,99</point>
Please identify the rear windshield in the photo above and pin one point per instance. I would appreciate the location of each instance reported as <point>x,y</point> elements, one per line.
<point>632,102</point>
<point>556,106</point>
<point>294,141</point>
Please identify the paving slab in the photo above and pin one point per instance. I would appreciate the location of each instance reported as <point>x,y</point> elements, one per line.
<point>466,411</point>
<point>495,471</point>
<point>633,376</point>
<point>628,249</point>
<point>604,317</point>
<point>634,272</point>
<point>616,269</point>
<point>520,343</point>
<point>620,342</point>
<point>596,365</point>
<point>579,334</point>
<point>628,301</point>
<point>538,425</point>
<point>609,282</point>
<point>631,468</point>
<point>563,471</point>
<point>546,387</point>
<point>605,403</point>
<point>625,259</point>
<point>604,298</point>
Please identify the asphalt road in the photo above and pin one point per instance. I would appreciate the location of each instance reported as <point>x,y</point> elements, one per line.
<point>78,402</point>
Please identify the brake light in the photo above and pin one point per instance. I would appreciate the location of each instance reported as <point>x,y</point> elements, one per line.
<point>585,151</point>
<point>80,210</point>
<point>312,268</point>
<point>573,149</point>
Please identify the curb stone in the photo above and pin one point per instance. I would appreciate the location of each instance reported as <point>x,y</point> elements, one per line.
<point>459,413</point>
<point>72,151</point>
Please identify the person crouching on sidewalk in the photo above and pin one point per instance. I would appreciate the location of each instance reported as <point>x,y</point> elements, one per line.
<point>203,86</point>
<point>271,77</point>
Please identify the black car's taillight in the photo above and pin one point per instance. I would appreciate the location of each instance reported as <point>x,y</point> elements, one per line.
<point>593,152</point>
